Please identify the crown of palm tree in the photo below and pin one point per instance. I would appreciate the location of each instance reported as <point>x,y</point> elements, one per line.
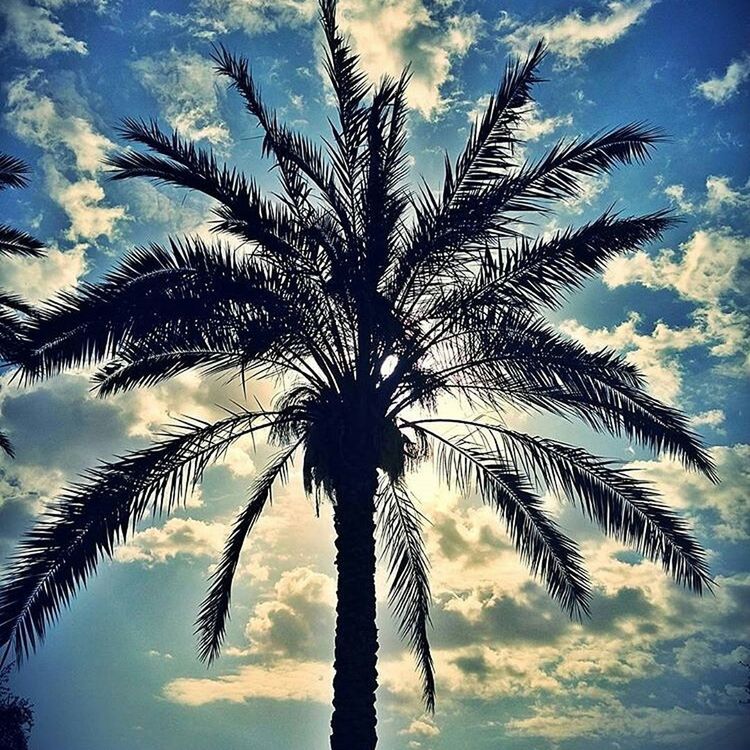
<point>13,242</point>
<point>371,304</point>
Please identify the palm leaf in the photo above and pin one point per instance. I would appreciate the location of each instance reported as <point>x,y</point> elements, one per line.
<point>63,549</point>
<point>214,610</point>
<point>400,528</point>
<point>548,553</point>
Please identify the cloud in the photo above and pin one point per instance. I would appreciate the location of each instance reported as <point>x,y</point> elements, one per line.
<point>184,84</point>
<point>571,37</point>
<point>388,36</point>
<point>252,16</point>
<point>711,418</point>
<point>535,126</point>
<point>421,728</point>
<point>297,621</point>
<point>40,278</point>
<point>696,656</point>
<point>710,271</point>
<point>723,509</point>
<point>720,89</point>
<point>612,718</point>
<point>676,193</point>
<point>654,354</point>
<point>34,30</point>
<point>37,118</point>
<point>720,195</point>
<point>187,537</point>
<point>81,200</point>
<point>285,680</point>
<point>72,145</point>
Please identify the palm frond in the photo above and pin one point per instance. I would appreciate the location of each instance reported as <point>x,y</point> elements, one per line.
<point>399,526</point>
<point>624,507</point>
<point>15,242</point>
<point>153,289</point>
<point>13,172</point>
<point>6,446</point>
<point>214,610</point>
<point>549,554</point>
<point>493,140</point>
<point>63,549</point>
<point>543,271</point>
<point>557,175</point>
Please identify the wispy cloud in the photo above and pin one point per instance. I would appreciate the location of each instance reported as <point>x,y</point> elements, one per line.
<point>572,36</point>
<point>184,84</point>
<point>720,89</point>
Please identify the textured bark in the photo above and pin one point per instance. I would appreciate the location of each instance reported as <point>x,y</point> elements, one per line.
<point>355,666</point>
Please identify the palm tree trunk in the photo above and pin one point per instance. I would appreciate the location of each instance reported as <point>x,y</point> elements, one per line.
<point>355,653</point>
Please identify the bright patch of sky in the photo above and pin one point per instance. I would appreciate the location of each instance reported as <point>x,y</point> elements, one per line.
<point>654,667</point>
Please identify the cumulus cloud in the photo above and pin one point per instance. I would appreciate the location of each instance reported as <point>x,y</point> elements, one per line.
<point>40,278</point>
<point>724,509</point>
<point>387,36</point>
<point>573,36</point>
<point>284,680</point>
<point>708,266</point>
<point>254,16</point>
<point>35,31</point>
<point>184,84</point>
<point>297,619</point>
<point>720,196</point>
<point>710,271</point>
<point>535,125</point>
<point>654,354</point>
<point>611,718</point>
<point>179,536</point>
<point>720,89</point>
<point>70,143</point>
<point>81,199</point>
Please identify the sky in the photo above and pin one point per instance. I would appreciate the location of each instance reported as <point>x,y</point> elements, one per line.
<point>654,666</point>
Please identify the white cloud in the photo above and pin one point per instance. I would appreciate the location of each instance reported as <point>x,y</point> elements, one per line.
<point>726,506</point>
<point>297,621</point>
<point>421,728</point>
<point>184,83</point>
<point>36,117</point>
<point>573,36</point>
<point>252,16</point>
<point>654,354</point>
<point>40,278</point>
<point>388,36</point>
<point>82,202</point>
<point>677,194</point>
<point>285,680</point>
<point>707,267</point>
<point>535,126</point>
<point>178,536</point>
<point>696,656</point>
<point>71,144</point>
<point>720,89</point>
<point>35,31</point>
<point>720,194</point>
<point>711,418</point>
<point>613,719</point>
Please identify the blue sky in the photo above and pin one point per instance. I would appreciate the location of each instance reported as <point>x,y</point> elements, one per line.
<point>654,667</point>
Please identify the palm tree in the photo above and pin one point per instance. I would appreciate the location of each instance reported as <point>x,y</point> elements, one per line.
<point>13,242</point>
<point>370,305</point>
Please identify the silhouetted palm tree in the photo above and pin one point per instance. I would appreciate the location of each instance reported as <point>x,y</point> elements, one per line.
<point>13,242</point>
<point>370,305</point>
